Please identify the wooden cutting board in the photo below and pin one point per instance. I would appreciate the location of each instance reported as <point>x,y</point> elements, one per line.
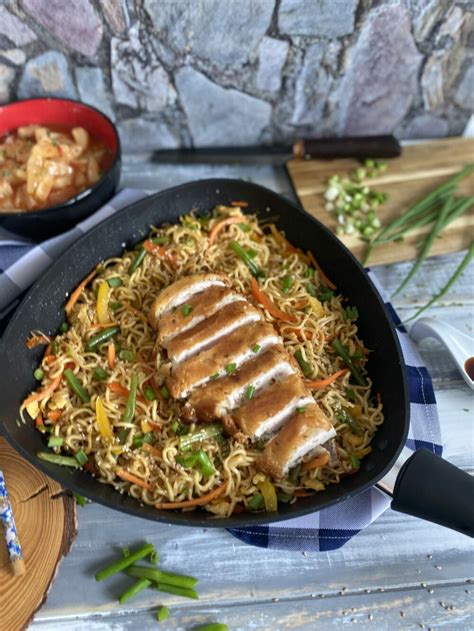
<point>46,523</point>
<point>420,169</point>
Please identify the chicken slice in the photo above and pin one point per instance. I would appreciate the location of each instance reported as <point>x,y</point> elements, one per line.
<point>270,408</point>
<point>302,433</point>
<point>221,324</point>
<point>181,291</point>
<point>203,305</point>
<point>218,398</point>
<point>227,354</point>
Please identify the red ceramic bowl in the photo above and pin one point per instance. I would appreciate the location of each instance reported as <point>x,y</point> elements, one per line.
<point>41,224</point>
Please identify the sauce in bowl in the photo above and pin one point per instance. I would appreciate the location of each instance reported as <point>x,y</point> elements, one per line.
<point>41,166</point>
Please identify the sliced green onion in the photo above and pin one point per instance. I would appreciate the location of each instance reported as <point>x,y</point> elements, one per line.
<point>127,355</point>
<point>350,394</point>
<point>150,394</point>
<point>76,386</point>
<point>249,392</point>
<point>284,498</point>
<point>230,368</point>
<point>38,374</point>
<point>135,589</point>
<point>163,240</point>
<point>305,366</point>
<point>179,428</point>
<point>244,227</point>
<point>186,310</point>
<point>325,293</point>
<point>154,557</point>
<point>55,441</point>
<point>80,499</point>
<point>116,305</point>
<point>312,291</point>
<point>158,576</point>
<point>99,374</point>
<point>65,461</point>
<point>255,348</point>
<point>355,462</point>
<point>301,410</point>
<point>55,346</point>
<point>286,282</point>
<point>64,328</point>
<point>351,313</point>
<point>162,614</point>
<point>214,376</point>
<point>100,338</point>
<point>165,393</point>
<point>173,589</point>
<point>81,457</point>
<point>114,282</point>
<point>137,261</point>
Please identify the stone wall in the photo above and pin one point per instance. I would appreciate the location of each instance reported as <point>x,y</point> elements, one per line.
<point>213,72</point>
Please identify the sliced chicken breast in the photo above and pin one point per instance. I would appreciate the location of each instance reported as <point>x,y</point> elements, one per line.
<point>302,433</point>
<point>272,406</point>
<point>219,325</point>
<point>228,353</point>
<point>181,291</point>
<point>219,398</point>
<point>203,305</point>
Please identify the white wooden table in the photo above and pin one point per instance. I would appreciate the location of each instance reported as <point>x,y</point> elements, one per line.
<point>400,573</point>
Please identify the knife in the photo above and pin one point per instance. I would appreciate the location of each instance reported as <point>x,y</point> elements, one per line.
<point>307,149</point>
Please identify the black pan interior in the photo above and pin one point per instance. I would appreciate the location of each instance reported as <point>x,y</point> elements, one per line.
<point>42,308</point>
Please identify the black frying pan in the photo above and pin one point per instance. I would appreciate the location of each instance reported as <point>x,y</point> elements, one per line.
<point>42,309</point>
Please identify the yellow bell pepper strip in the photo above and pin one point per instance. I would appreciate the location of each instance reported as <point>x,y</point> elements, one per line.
<point>103,422</point>
<point>102,306</point>
<point>269,495</point>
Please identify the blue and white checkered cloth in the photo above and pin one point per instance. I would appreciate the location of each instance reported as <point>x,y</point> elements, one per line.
<point>22,263</point>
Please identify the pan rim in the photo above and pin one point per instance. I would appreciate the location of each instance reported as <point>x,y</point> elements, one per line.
<point>211,521</point>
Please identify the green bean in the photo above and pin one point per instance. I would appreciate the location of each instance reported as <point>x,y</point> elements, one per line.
<point>248,260</point>
<point>124,563</point>
<point>342,352</point>
<point>137,261</point>
<point>162,614</point>
<point>346,418</point>
<point>213,430</point>
<point>76,386</point>
<point>135,589</point>
<point>464,263</point>
<point>103,336</point>
<point>131,401</point>
<point>65,461</point>
<point>99,374</point>
<point>304,365</point>
<point>158,576</point>
<point>428,241</point>
<point>178,591</point>
<point>286,283</point>
<point>255,502</point>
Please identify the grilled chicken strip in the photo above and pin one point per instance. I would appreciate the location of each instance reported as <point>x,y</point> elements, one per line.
<point>267,412</point>
<point>220,397</point>
<point>203,305</point>
<point>226,355</point>
<point>301,434</point>
<point>220,324</point>
<point>182,290</point>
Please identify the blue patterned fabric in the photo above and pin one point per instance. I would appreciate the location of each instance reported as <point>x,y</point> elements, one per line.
<point>21,264</point>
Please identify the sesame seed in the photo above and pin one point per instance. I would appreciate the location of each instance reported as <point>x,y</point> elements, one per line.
<point>468,591</point>
<point>275,600</point>
<point>370,616</point>
<point>367,591</point>
<point>353,619</point>
<point>402,613</point>
<point>438,567</point>
<point>441,604</point>
<point>381,589</point>
<point>430,591</point>
<point>421,625</point>
<point>429,556</point>
<point>313,595</point>
<point>423,584</point>
<point>305,554</point>
<point>345,613</point>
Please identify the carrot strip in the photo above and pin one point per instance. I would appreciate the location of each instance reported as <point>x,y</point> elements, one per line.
<point>315,463</point>
<point>36,340</point>
<point>239,204</point>
<point>221,225</point>
<point>77,292</point>
<point>379,398</point>
<point>268,304</point>
<point>111,355</point>
<point>49,351</point>
<point>54,415</point>
<point>301,335</point>
<point>198,501</point>
<point>117,388</point>
<point>152,248</point>
<point>152,450</point>
<point>287,247</point>
<point>301,303</point>
<point>128,477</point>
<point>322,383</point>
<point>322,275</point>
<point>302,493</point>
<point>154,425</point>
<point>42,394</point>
<point>39,423</point>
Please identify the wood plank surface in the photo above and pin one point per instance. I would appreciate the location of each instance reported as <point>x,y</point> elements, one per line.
<point>420,169</point>
<point>388,568</point>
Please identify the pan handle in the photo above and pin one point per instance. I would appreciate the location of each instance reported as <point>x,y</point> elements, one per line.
<point>433,489</point>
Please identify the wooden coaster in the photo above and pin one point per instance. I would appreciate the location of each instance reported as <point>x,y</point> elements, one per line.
<point>46,523</point>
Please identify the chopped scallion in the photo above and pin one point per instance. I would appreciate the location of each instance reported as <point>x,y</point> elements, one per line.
<point>38,374</point>
<point>186,310</point>
<point>81,457</point>
<point>230,368</point>
<point>55,441</point>
<point>249,392</point>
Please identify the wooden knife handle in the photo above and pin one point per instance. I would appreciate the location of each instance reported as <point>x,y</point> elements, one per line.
<point>353,147</point>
